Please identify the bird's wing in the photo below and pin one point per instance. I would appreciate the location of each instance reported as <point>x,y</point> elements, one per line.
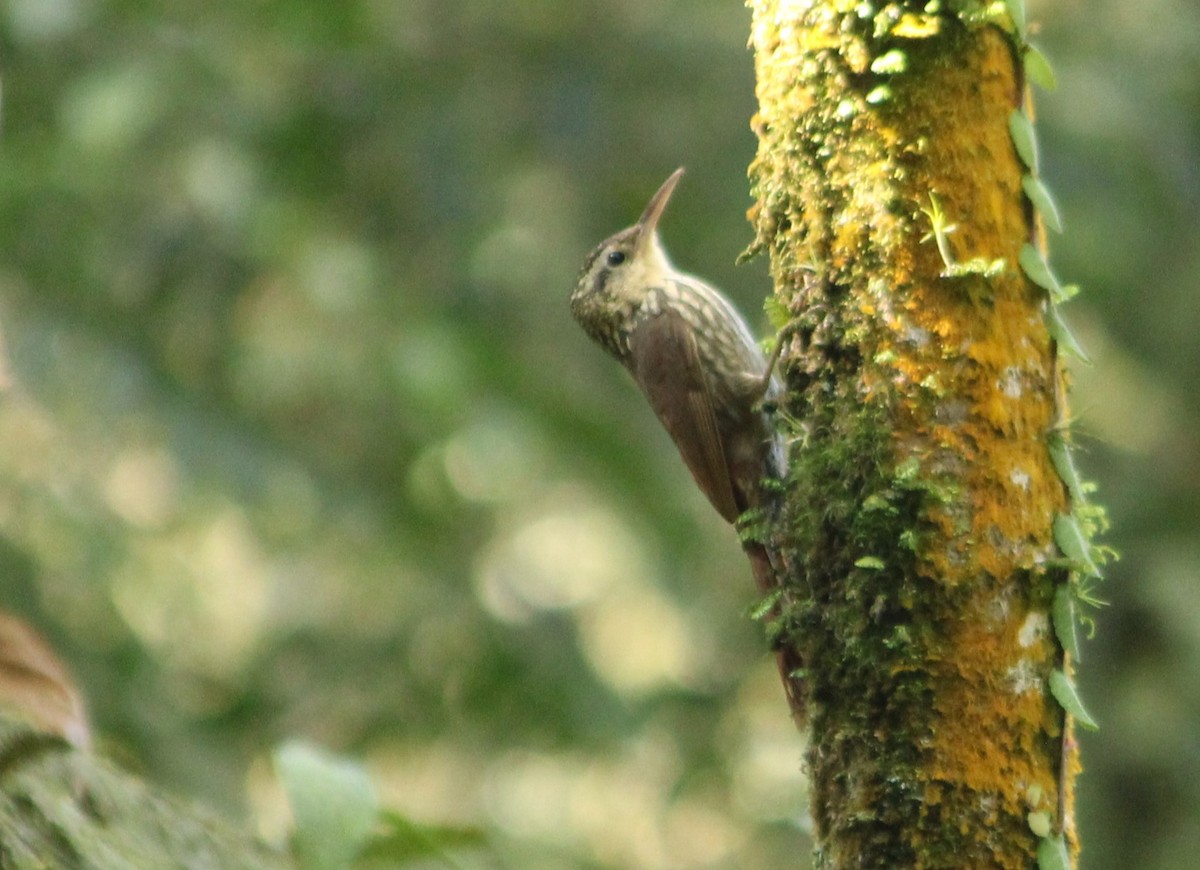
<point>666,364</point>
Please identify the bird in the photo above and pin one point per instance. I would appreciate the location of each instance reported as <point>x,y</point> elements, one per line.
<point>692,355</point>
<point>696,361</point>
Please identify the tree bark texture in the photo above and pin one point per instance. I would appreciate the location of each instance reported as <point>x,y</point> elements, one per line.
<point>923,389</point>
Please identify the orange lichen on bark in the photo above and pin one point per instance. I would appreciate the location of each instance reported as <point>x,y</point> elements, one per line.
<point>934,734</point>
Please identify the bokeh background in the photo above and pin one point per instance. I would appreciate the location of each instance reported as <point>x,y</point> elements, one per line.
<point>299,439</point>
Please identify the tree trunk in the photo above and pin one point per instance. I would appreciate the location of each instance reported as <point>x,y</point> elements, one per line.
<point>924,396</point>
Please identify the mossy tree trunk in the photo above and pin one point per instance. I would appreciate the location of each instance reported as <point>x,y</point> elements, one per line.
<point>923,393</point>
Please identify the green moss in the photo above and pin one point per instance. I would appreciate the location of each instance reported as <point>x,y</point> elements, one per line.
<point>921,385</point>
<point>855,527</point>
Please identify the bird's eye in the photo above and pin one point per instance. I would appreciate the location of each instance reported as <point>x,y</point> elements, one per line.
<point>616,258</point>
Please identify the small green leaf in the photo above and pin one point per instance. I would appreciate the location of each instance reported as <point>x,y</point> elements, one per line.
<point>907,471</point>
<point>333,804</point>
<point>1052,854</point>
<point>871,563</point>
<point>1038,270</point>
<point>1074,544</point>
<point>1039,823</point>
<point>1024,139</point>
<point>1016,11</point>
<point>751,526</point>
<point>1038,68</point>
<point>976,266</point>
<point>1064,464</point>
<point>764,608</point>
<point>1065,693</point>
<point>1063,615</point>
<point>878,95</point>
<point>1039,195</point>
<point>890,63</point>
<point>777,312</point>
<point>876,502</point>
<point>1058,330</point>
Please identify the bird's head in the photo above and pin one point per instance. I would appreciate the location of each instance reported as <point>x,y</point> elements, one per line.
<point>619,272</point>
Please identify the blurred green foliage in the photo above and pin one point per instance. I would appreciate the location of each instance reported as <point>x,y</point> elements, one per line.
<point>300,440</point>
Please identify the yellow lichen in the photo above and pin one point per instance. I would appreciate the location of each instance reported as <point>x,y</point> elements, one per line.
<point>935,685</point>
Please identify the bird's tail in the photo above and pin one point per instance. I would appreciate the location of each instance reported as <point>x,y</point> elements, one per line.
<point>769,566</point>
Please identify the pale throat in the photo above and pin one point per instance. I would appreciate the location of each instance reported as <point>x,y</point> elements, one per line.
<point>646,270</point>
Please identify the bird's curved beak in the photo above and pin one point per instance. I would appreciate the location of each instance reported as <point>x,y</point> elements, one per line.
<point>648,223</point>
